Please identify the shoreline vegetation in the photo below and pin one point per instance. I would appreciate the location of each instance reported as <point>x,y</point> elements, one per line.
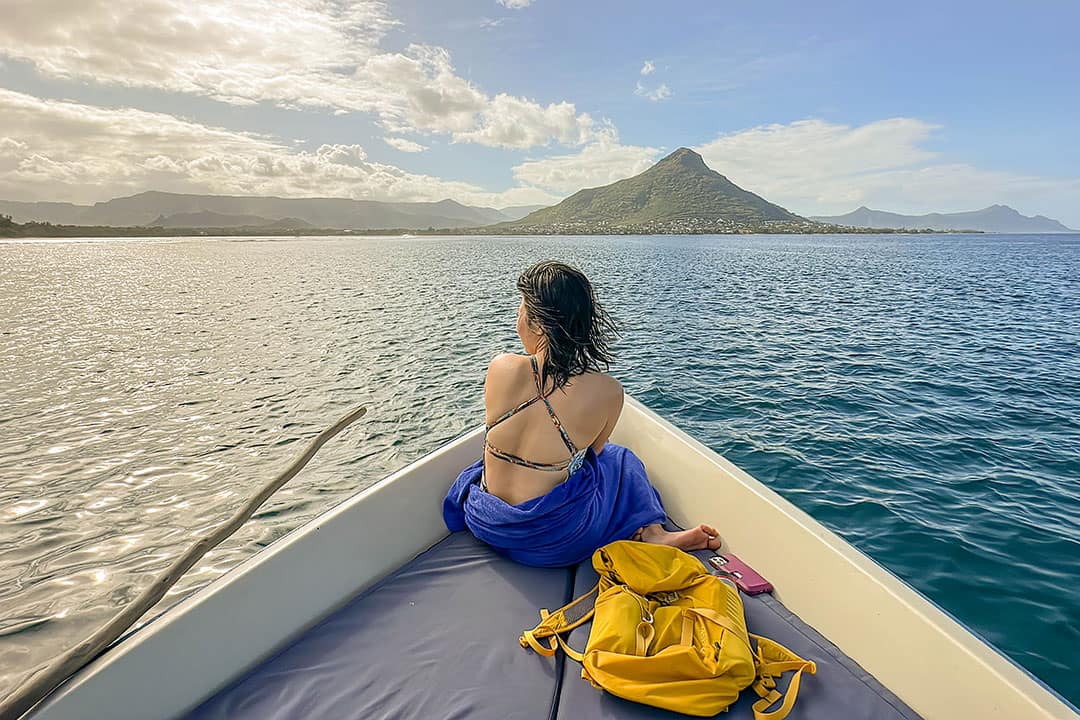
<point>690,226</point>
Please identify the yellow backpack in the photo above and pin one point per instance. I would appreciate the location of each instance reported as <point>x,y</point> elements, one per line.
<point>667,633</point>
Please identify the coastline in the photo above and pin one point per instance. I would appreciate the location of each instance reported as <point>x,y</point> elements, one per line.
<point>29,231</point>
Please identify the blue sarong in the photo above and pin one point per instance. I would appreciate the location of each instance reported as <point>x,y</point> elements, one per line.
<point>608,499</point>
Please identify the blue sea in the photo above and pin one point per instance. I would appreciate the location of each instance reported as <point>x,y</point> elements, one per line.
<point>919,395</point>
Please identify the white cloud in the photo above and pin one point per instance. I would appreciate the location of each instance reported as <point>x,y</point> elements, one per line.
<point>10,145</point>
<point>510,121</point>
<point>599,163</point>
<point>816,167</point>
<point>404,145</point>
<point>815,149</point>
<point>424,93</point>
<point>57,150</point>
<point>302,54</point>
<point>491,23</point>
<point>657,94</point>
<point>235,50</point>
<point>515,4</point>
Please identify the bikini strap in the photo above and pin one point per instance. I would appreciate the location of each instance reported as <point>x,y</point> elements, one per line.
<point>551,412</point>
<point>518,460</point>
<point>513,411</point>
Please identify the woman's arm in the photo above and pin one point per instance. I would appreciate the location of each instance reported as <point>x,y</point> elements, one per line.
<point>614,410</point>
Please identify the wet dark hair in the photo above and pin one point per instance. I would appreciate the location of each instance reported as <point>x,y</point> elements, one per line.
<point>560,301</point>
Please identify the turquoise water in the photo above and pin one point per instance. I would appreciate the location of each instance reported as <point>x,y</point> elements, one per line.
<point>919,395</point>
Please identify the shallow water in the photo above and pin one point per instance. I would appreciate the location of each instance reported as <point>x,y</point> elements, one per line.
<point>919,395</point>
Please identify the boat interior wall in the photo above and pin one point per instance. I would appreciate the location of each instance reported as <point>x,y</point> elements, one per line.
<point>929,660</point>
<point>194,649</point>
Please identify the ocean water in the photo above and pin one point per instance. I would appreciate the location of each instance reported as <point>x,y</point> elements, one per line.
<point>919,395</point>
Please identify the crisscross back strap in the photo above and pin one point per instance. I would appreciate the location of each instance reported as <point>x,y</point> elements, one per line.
<point>551,412</point>
<point>513,411</point>
<point>571,464</point>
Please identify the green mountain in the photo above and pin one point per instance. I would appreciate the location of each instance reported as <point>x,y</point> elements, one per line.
<point>680,193</point>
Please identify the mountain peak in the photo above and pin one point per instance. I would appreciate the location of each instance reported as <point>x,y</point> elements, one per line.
<point>685,157</point>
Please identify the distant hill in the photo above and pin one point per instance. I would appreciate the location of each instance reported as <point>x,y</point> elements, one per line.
<point>994,219</point>
<point>58,213</point>
<point>516,212</point>
<point>288,224</point>
<point>148,208</point>
<point>678,194</point>
<point>216,220</point>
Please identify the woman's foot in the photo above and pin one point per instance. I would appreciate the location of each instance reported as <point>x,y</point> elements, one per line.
<point>700,538</point>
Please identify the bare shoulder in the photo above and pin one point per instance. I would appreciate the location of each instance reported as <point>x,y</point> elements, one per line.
<point>507,368</point>
<point>603,381</point>
<point>614,390</point>
<point>604,388</point>
<point>504,362</point>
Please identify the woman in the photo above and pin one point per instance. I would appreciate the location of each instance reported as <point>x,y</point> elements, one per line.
<point>549,488</point>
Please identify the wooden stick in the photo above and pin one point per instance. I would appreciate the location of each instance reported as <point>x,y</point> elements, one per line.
<point>44,681</point>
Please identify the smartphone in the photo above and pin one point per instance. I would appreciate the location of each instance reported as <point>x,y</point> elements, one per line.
<point>744,576</point>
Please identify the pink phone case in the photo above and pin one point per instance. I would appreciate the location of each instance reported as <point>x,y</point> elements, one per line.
<point>744,576</point>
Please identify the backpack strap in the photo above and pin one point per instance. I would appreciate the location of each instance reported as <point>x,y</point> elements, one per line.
<point>770,661</point>
<point>712,616</point>
<point>553,624</point>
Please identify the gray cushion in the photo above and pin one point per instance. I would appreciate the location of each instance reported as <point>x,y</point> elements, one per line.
<point>437,639</point>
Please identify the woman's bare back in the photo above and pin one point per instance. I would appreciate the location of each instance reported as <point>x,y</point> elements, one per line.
<point>588,408</point>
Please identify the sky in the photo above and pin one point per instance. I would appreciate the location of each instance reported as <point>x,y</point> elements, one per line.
<point>820,107</point>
